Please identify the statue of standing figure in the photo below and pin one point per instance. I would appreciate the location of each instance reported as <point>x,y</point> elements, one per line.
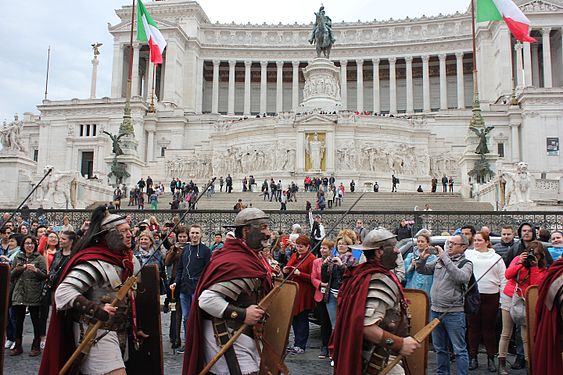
<point>322,34</point>
<point>315,149</point>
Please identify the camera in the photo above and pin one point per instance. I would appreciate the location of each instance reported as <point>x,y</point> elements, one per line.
<point>529,260</point>
<point>432,250</point>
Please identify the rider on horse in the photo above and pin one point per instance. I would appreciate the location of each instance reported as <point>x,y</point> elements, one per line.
<point>322,32</point>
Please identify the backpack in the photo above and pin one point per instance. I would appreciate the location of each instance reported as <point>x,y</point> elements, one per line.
<point>472,301</point>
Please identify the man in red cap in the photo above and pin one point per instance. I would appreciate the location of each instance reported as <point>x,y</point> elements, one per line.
<point>372,323</point>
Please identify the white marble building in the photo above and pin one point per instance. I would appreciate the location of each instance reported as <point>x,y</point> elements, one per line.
<point>416,73</point>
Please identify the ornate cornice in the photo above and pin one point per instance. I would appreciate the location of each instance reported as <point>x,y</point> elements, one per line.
<point>539,6</point>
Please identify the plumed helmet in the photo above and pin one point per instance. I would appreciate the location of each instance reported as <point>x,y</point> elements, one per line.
<point>249,216</point>
<point>373,239</point>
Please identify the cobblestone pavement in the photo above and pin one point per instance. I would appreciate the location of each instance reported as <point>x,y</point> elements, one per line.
<point>304,364</point>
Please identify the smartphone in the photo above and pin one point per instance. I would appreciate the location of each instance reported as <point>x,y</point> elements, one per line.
<point>446,244</point>
<point>432,250</point>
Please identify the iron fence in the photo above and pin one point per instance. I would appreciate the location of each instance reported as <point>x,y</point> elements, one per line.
<point>213,221</point>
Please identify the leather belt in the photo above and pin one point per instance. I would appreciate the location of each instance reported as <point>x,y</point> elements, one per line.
<point>222,336</point>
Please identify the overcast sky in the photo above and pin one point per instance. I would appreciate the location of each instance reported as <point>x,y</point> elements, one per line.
<point>70,26</point>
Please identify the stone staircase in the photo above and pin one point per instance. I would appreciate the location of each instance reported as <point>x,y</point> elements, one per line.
<point>382,201</point>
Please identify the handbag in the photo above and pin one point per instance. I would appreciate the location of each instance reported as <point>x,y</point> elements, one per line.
<point>518,305</point>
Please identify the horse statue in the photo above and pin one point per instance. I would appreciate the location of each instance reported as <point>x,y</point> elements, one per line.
<point>322,33</point>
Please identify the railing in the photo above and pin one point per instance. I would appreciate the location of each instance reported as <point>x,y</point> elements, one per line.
<point>213,221</point>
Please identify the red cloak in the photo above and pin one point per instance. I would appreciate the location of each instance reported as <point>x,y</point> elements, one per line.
<point>60,336</point>
<point>234,260</point>
<point>347,338</point>
<point>546,357</point>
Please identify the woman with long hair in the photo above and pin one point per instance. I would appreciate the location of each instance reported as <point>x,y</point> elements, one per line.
<point>51,249</point>
<point>28,273</point>
<point>529,268</point>
<point>414,279</point>
<point>482,325</point>
<point>321,295</point>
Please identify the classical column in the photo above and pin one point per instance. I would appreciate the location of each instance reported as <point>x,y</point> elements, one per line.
<point>344,84</point>
<point>150,145</point>
<point>425,83</point>
<point>247,66</point>
<point>410,98</point>
<point>231,104</point>
<point>527,65</point>
<point>519,65</point>
<point>117,71</point>
<point>376,101</point>
<point>515,144</point>
<point>295,86</point>
<point>460,82</point>
<point>263,86</point>
<point>135,70</point>
<point>171,77</point>
<point>360,85</point>
<point>215,92</point>
<point>547,74</point>
<point>535,65</point>
<point>443,82</point>
<point>199,85</point>
<point>94,79</point>
<point>392,86</point>
<point>279,86</point>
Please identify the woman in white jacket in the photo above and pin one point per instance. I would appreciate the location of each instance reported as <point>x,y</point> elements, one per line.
<point>483,324</point>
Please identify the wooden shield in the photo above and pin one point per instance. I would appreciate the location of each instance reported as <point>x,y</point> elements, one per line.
<point>531,301</point>
<point>418,312</point>
<point>4,302</point>
<point>148,359</point>
<point>276,328</point>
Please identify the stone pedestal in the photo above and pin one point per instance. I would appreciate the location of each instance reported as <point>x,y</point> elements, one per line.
<point>322,86</point>
<point>17,182</point>
<point>466,164</point>
<point>134,168</point>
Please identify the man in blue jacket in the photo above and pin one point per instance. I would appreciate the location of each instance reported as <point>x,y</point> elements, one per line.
<point>195,257</point>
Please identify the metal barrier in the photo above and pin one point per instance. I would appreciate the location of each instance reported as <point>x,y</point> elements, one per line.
<point>213,221</point>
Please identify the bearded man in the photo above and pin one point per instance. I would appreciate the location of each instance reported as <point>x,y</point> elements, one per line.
<point>372,323</point>
<point>226,297</point>
<point>100,263</point>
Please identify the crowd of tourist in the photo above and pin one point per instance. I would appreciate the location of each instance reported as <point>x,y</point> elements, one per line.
<point>37,253</point>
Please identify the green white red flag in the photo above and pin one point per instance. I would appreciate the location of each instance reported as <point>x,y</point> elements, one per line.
<point>147,31</point>
<point>495,10</point>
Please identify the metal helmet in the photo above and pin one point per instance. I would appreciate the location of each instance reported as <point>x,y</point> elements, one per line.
<point>373,238</point>
<point>249,216</point>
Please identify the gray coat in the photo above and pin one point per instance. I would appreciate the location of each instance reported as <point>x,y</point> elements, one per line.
<point>449,281</point>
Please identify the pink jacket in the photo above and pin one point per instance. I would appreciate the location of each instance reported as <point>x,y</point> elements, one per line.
<point>536,275</point>
<point>316,279</point>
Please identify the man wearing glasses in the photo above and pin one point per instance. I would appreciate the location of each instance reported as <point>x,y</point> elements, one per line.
<point>447,295</point>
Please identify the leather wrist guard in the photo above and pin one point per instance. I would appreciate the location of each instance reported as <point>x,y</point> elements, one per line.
<point>235,313</point>
<point>392,342</point>
<point>84,306</point>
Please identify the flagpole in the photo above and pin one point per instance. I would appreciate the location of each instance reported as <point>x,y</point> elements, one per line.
<point>47,75</point>
<point>127,125</point>
<point>477,119</point>
<point>151,106</point>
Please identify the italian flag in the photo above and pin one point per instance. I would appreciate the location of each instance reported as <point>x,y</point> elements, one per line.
<point>495,10</point>
<point>147,31</point>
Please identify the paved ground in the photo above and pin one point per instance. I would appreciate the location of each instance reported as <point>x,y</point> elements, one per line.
<point>304,364</point>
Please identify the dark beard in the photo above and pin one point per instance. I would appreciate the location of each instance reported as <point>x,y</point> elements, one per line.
<point>114,239</point>
<point>255,238</point>
<point>389,260</point>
